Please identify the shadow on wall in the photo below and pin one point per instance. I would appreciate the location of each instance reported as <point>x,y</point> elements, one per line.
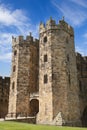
<point>84,117</point>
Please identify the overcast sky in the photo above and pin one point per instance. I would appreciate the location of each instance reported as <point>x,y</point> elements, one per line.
<point>19,17</point>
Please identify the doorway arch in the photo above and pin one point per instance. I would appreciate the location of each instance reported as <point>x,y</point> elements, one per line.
<point>34,106</point>
<point>84,117</point>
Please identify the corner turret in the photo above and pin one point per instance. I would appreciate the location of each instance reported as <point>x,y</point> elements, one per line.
<point>51,24</point>
<point>28,40</point>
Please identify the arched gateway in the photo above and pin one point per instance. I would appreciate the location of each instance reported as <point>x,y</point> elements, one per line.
<point>34,106</point>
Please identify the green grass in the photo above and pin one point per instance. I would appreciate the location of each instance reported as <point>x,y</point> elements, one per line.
<point>24,126</point>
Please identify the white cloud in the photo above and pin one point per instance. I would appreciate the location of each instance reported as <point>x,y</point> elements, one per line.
<point>5,38</point>
<point>6,57</point>
<point>16,20</point>
<point>12,21</point>
<point>10,17</point>
<point>5,46</point>
<point>75,15</point>
<point>81,50</point>
<point>82,3</point>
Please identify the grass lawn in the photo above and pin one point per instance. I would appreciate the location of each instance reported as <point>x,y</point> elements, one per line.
<point>24,126</point>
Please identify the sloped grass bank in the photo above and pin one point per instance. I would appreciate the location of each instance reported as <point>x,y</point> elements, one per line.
<point>6,125</point>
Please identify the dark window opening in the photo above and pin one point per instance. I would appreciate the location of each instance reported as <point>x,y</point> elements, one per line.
<point>69,79</point>
<point>67,40</point>
<point>13,86</point>
<point>78,67</point>
<point>80,86</point>
<point>45,58</point>
<point>15,53</point>
<point>45,79</point>
<point>52,76</point>
<point>67,57</point>
<point>5,100</point>
<point>14,68</point>
<point>1,100</point>
<point>45,39</point>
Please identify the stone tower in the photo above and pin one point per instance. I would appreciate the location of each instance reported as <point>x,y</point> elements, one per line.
<point>58,86</point>
<point>23,78</point>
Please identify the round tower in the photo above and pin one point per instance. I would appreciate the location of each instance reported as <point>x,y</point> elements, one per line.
<point>58,87</point>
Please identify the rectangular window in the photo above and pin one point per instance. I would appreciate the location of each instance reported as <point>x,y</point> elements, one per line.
<point>80,86</point>
<point>45,79</point>
<point>15,52</point>
<point>14,68</point>
<point>69,79</point>
<point>45,39</point>
<point>13,86</point>
<point>45,58</point>
<point>67,57</point>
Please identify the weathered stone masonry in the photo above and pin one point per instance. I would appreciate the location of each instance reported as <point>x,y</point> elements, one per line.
<point>60,69</point>
<point>48,79</point>
<point>24,78</point>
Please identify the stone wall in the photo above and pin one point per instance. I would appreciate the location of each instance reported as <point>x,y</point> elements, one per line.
<point>31,120</point>
<point>4,95</point>
<point>82,81</point>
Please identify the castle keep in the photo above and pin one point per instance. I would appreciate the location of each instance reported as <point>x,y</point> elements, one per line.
<point>48,79</point>
<point>58,86</point>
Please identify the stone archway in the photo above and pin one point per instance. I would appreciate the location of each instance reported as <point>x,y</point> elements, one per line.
<point>84,117</point>
<point>34,106</point>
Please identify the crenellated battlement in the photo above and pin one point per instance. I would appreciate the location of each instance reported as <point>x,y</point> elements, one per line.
<point>4,81</point>
<point>21,40</point>
<point>85,58</point>
<point>80,57</point>
<point>4,78</point>
<point>51,24</point>
<point>4,95</point>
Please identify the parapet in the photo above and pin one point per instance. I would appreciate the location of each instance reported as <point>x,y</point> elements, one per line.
<point>17,40</point>
<point>78,54</point>
<point>4,78</point>
<point>4,81</point>
<point>21,40</point>
<point>1,77</point>
<point>51,24</point>
<point>85,58</point>
<point>80,57</point>
<point>66,27</point>
<point>7,78</point>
